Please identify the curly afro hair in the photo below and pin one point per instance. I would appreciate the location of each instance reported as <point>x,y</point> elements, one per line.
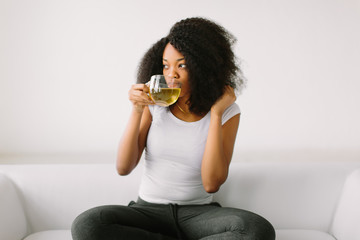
<point>210,60</point>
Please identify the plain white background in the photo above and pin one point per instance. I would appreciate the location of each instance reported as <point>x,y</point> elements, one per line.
<point>66,67</point>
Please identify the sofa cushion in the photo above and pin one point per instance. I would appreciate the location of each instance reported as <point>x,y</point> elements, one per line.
<point>13,225</point>
<point>296,234</point>
<point>288,234</point>
<point>284,234</point>
<point>50,235</point>
<point>347,217</point>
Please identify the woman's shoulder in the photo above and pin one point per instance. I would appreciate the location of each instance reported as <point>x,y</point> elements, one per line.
<point>233,107</point>
<point>230,112</point>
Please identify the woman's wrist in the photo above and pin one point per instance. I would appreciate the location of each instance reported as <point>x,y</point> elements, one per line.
<point>138,108</point>
<point>216,116</point>
<point>216,112</point>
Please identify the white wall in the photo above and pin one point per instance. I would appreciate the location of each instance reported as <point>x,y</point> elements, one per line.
<point>66,67</point>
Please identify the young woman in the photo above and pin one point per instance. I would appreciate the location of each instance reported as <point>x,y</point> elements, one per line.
<point>188,146</point>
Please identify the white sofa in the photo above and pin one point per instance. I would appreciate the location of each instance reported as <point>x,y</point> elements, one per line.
<point>304,200</point>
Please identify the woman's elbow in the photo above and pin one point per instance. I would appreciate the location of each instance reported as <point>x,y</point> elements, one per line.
<point>123,170</point>
<point>211,188</point>
<point>212,183</point>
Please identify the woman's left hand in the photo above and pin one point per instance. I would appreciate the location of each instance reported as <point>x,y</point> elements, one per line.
<point>224,101</point>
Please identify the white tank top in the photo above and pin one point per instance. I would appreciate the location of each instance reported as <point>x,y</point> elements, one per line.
<point>173,156</point>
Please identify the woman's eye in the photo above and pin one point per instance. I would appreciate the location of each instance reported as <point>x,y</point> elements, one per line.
<point>165,66</point>
<point>182,65</point>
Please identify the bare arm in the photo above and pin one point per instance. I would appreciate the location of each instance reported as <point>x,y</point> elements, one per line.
<point>220,144</point>
<point>134,137</point>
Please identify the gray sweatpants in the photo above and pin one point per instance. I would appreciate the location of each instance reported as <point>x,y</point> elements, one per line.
<point>146,221</point>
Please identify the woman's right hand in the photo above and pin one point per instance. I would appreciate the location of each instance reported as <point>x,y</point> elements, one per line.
<point>138,95</point>
<point>133,140</point>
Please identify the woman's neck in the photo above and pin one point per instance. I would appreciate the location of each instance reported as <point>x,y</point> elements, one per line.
<point>180,109</point>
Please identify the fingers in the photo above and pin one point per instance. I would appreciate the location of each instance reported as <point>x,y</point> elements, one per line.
<point>140,87</point>
<point>224,101</point>
<point>230,92</point>
<point>138,95</point>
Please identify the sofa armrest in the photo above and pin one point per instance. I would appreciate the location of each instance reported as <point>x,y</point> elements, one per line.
<point>347,216</point>
<point>13,225</point>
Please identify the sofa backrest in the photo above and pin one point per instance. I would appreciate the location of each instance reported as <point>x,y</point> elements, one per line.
<point>54,194</point>
<point>290,195</point>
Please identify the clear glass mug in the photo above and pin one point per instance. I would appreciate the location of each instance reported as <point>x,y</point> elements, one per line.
<point>163,92</point>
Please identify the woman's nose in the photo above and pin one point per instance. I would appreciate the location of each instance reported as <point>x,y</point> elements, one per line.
<point>172,74</point>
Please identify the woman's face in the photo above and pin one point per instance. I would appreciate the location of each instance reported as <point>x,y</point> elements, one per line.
<point>174,67</point>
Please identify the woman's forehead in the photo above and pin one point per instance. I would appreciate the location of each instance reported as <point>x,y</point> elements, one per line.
<point>170,52</point>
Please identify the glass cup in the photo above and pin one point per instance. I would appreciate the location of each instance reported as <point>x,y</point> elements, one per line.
<point>164,92</point>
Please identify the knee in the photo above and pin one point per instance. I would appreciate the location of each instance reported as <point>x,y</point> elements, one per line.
<point>264,229</point>
<point>235,224</point>
<point>85,225</point>
<point>252,226</point>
